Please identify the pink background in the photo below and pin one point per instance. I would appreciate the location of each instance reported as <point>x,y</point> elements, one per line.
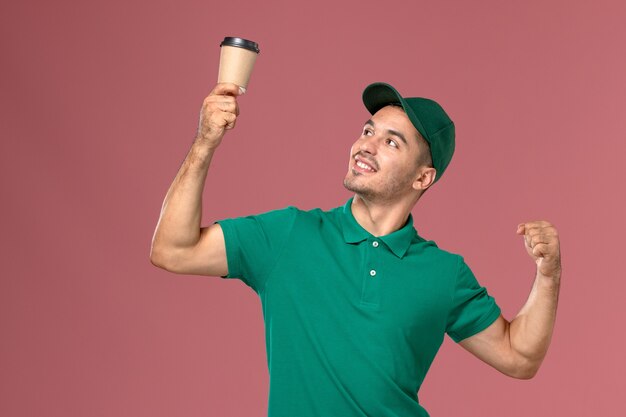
<point>99,105</point>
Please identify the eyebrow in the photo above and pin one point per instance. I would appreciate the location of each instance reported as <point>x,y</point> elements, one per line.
<point>391,132</point>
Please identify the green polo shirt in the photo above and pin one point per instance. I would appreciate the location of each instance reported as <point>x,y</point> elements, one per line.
<point>352,321</point>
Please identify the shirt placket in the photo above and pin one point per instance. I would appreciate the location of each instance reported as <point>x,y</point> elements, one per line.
<point>371,272</point>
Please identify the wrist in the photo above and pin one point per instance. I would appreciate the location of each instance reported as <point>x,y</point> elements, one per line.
<point>553,279</point>
<point>203,146</point>
<point>199,155</point>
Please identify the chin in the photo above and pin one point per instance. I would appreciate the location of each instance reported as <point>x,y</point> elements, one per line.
<point>349,184</point>
<point>361,190</point>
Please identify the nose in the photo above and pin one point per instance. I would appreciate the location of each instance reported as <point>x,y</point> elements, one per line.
<point>368,144</point>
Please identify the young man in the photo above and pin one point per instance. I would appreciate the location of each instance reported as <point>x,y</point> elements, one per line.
<point>355,302</point>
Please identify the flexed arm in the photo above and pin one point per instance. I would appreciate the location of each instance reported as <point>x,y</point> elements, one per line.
<point>517,348</point>
<point>179,244</point>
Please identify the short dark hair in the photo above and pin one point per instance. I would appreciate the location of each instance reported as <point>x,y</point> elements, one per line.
<point>425,156</point>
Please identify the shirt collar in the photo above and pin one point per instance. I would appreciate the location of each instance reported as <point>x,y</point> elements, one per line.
<point>398,242</point>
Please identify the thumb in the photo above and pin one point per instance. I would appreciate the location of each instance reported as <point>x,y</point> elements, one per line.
<point>227,89</point>
<point>521,229</point>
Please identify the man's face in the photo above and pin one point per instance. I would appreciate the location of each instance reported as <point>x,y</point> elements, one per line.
<point>384,160</point>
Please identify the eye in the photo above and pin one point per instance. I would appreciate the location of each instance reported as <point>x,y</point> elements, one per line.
<point>367,132</point>
<point>392,143</point>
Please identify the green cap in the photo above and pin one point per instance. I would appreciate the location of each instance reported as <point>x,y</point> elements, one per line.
<point>427,116</point>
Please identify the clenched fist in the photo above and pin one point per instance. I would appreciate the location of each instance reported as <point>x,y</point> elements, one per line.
<point>218,113</point>
<point>542,243</point>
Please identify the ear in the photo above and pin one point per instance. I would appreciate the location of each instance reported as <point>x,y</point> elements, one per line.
<point>426,178</point>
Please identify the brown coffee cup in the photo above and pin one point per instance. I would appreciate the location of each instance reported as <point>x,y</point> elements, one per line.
<point>237,59</point>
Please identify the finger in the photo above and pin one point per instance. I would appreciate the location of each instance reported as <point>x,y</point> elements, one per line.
<point>211,102</point>
<point>537,223</point>
<point>221,119</point>
<point>215,103</point>
<point>228,105</point>
<point>547,231</point>
<point>230,120</point>
<point>226,89</point>
<point>538,239</point>
<point>541,250</point>
<point>527,241</point>
<point>234,107</point>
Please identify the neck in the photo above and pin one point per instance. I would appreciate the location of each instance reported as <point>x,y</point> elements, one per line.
<point>381,218</point>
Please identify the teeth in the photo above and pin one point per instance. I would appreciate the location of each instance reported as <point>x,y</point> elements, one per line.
<point>364,166</point>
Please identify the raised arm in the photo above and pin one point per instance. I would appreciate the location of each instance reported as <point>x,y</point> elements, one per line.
<point>179,243</point>
<point>517,348</point>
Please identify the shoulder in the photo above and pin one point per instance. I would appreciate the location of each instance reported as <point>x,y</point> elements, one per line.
<point>436,261</point>
<point>270,215</point>
<point>287,217</point>
<point>316,215</point>
<point>430,248</point>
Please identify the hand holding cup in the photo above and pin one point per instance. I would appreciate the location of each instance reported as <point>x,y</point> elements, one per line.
<point>218,113</point>
<point>220,110</point>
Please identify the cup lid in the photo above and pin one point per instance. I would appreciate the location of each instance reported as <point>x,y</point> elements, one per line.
<point>241,43</point>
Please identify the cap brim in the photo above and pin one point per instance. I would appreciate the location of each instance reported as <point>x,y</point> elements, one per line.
<point>378,95</point>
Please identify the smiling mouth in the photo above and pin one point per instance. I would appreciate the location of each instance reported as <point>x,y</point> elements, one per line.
<point>362,166</point>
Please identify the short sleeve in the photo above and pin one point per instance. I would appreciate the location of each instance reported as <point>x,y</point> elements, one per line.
<point>473,309</point>
<point>254,244</point>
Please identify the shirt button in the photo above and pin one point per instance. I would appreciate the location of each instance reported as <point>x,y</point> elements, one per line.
<point>375,244</point>
<point>373,272</point>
